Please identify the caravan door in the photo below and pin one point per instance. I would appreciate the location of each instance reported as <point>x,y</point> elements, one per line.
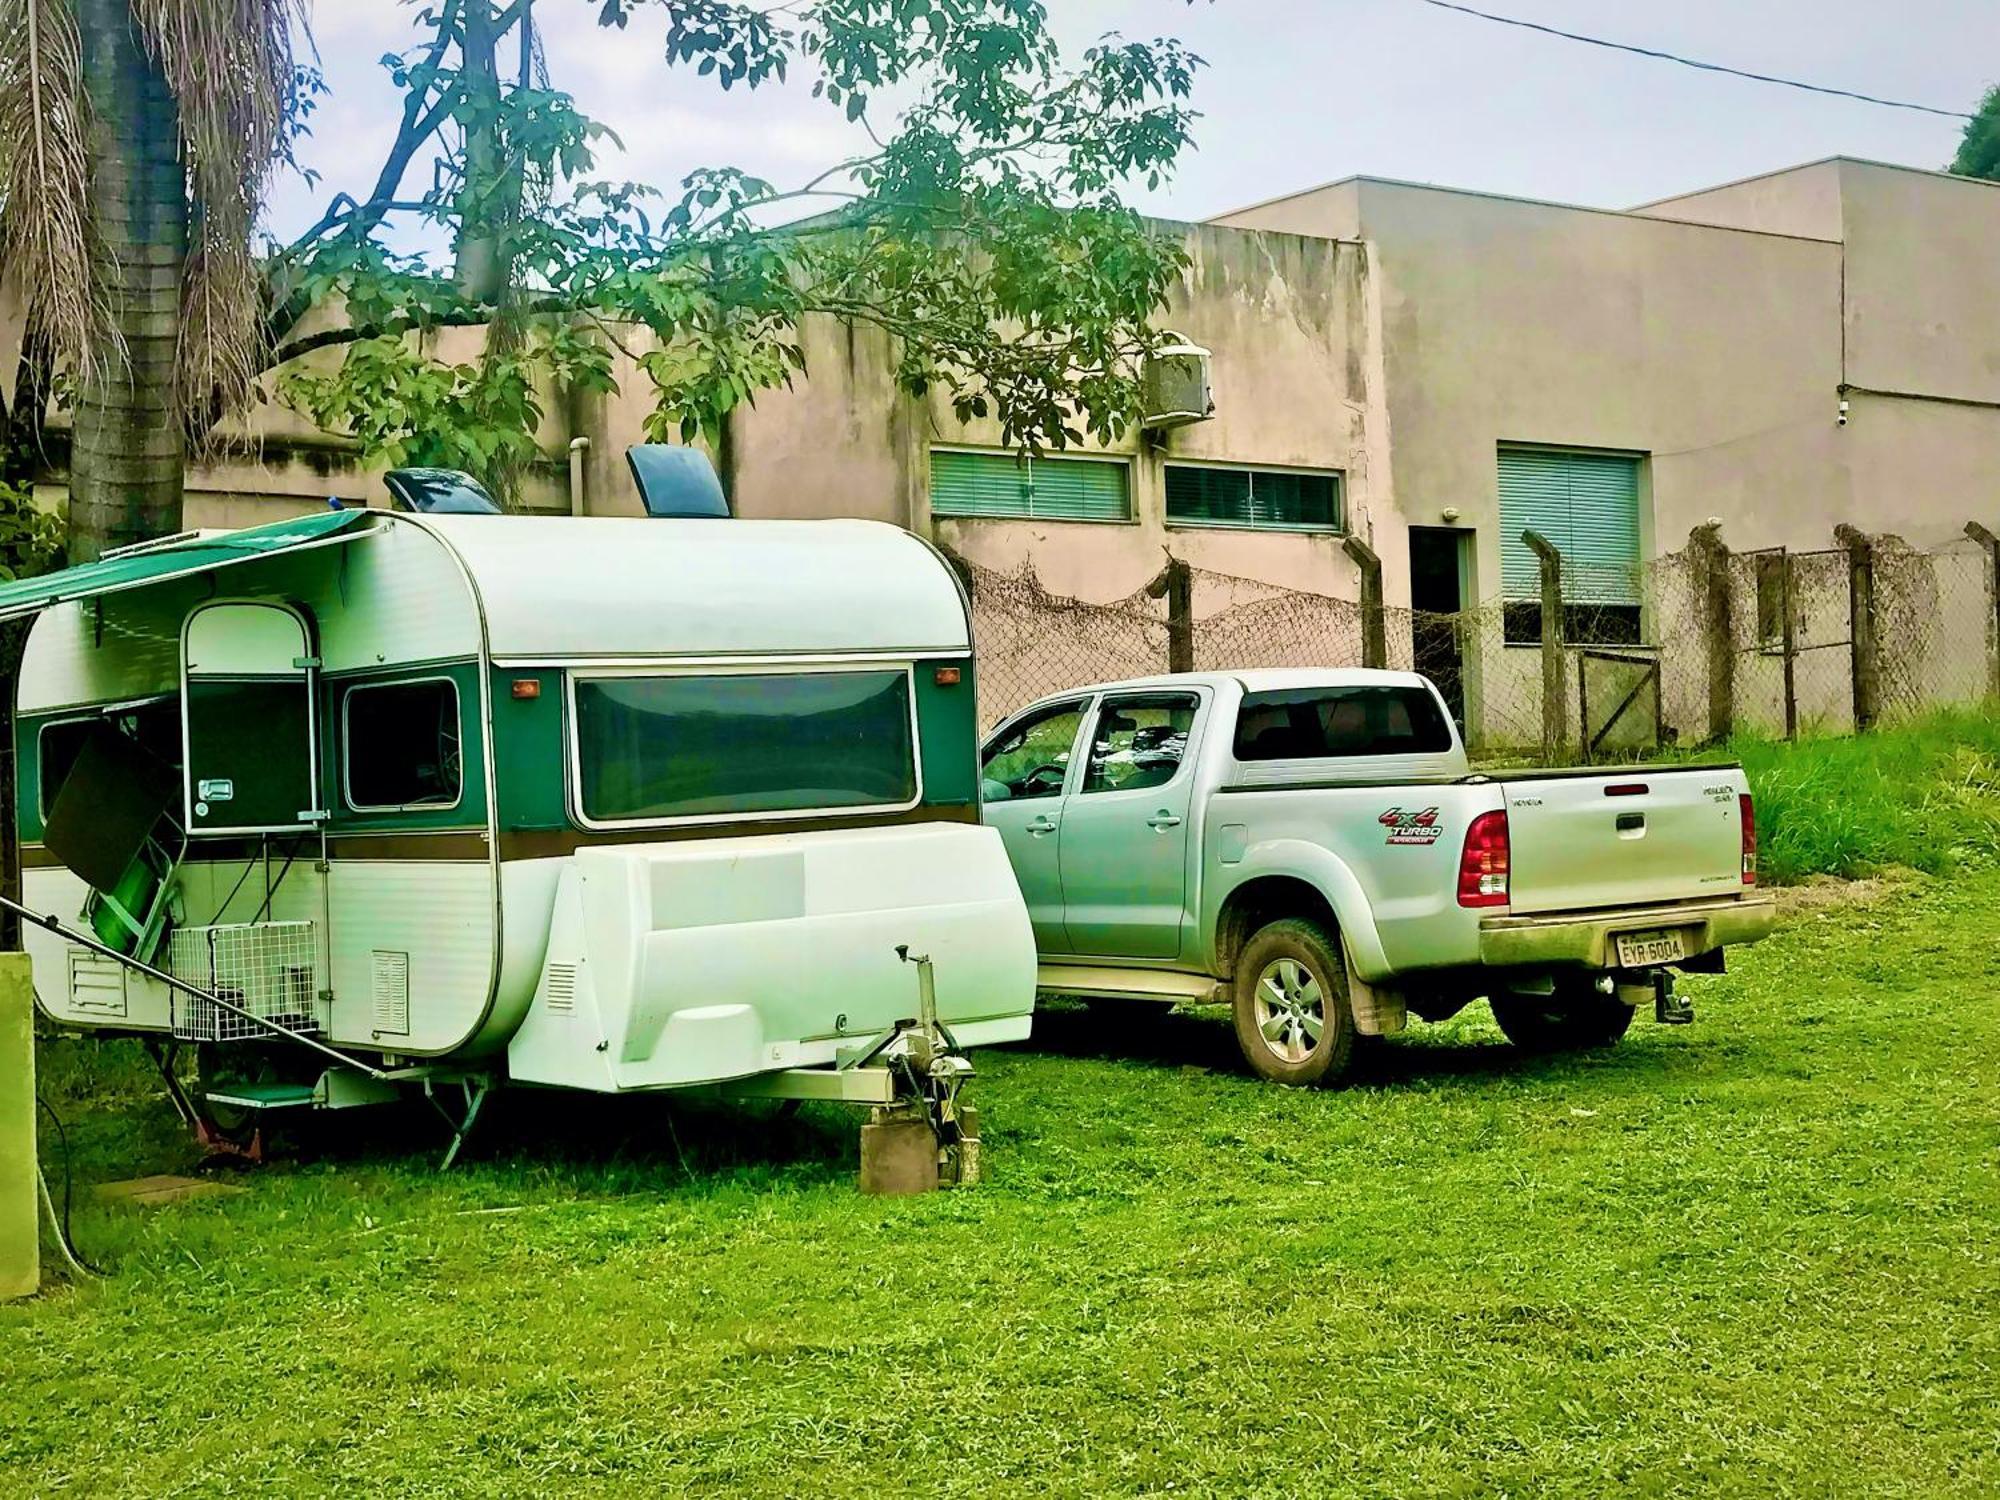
<point>250,734</point>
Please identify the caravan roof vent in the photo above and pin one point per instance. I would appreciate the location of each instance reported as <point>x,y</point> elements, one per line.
<point>1176,387</point>
<point>676,481</point>
<point>439,492</point>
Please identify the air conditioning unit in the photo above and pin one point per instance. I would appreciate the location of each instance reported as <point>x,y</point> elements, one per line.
<point>1176,387</point>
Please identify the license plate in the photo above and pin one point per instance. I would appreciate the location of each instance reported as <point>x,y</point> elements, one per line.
<point>1641,950</point>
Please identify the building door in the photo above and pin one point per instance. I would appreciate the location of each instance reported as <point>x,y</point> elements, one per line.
<point>1439,557</point>
<point>1125,831</point>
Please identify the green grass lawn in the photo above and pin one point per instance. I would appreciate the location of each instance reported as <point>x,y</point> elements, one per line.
<point>1759,1255</point>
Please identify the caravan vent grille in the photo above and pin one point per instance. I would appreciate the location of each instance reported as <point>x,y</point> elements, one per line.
<point>96,984</point>
<point>270,969</point>
<point>392,992</point>
<point>562,989</point>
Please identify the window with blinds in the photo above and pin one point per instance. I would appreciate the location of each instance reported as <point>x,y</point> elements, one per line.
<point>1587,504</point>
<point>1270,499</point>
<point>1042,489</point>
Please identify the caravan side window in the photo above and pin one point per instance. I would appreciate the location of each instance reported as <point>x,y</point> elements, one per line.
<point>745,744</point>
<point>401,742</point>
<point>156,726</point>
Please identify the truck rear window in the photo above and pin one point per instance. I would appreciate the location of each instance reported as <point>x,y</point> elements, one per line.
<point>1315,723</point>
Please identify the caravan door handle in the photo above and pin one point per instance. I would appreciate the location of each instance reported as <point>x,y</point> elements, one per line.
<point>1163,820</point>
<point>1042,825</point>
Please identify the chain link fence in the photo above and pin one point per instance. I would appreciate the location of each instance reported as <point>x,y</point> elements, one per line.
<point>1688,648</point>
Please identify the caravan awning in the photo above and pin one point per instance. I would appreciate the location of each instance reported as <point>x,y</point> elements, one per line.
<point>134,567</point>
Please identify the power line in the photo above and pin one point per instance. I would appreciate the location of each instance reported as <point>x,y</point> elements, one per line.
<point>1689,62</point>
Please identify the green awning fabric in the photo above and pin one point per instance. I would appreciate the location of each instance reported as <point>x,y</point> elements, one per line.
<point>136,567</point>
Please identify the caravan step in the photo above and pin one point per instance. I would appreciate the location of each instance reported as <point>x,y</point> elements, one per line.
<point>263,1095</point>
<point>1143,984</point>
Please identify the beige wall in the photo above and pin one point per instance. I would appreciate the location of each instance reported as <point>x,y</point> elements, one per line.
<point>1923,293</point>
<point>1715,352</point>
<point>1802,201</point>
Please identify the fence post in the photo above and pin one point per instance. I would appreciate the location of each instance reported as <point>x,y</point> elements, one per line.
<point>1176,584</point>
<point>1374,625</point>
<point>1788,643</point>
<point>1553,699</point>
<point>1861,624</point>
<point>1718,625</point>
<point>1991,543</point>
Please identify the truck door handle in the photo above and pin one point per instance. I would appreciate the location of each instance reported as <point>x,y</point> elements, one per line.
<point>1042,825</point>
<point>1164,820</point>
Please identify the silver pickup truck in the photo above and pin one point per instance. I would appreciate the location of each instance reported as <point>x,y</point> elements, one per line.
<point>1312,848</point>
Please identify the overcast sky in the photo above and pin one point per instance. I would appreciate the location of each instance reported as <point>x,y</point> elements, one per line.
<point>1299,92</point>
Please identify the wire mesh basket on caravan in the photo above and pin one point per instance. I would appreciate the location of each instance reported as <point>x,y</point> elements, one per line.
<point>269,969</point>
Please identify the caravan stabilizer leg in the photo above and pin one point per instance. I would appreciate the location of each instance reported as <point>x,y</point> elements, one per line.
<point>926,1138</point>
<point>166,1057</point>
<point>473,1091</point>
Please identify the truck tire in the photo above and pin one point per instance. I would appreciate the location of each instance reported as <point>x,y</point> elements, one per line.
<point>1293,1021</point>
<point>1576,1017</point>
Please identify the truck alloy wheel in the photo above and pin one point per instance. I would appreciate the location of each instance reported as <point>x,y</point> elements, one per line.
<point>1291,1011</point>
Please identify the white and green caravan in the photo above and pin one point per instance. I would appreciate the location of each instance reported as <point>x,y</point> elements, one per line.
<point>595,803</point>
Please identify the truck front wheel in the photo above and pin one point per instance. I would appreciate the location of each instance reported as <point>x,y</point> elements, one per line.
<point>1576,1016</point>
<point>1293,1021</point>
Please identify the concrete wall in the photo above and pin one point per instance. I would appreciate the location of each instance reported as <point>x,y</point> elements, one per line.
<point>1923,299</point>
<point>1716,353</point>
<point>1798,201</point>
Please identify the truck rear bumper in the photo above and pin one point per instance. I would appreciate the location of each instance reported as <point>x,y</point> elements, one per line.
<point>1584,939</point>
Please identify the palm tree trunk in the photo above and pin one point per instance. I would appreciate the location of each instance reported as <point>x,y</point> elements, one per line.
<point>126,456</point>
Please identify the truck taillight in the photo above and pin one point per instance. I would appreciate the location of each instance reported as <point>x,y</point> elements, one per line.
<point>1482,868</point>
<point>1747,817</point>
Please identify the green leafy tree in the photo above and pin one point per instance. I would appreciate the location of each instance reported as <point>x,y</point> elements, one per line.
<point>1979,153</point>
<point>983,231</point>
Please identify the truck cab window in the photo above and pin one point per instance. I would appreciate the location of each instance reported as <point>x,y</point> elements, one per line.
<point>1030,758</point>
<point>402,745</point>
<point>1319,723</point>
<point>1139,743</point>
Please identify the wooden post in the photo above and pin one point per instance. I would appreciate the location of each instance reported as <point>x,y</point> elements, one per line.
<point>1176,583</point>
<point>1374,626</point>
<point>1861,634</point>
<point>20,1203</point>
<point>1991,543</point>
<point>1717,624</point>
<point>1553,699</point>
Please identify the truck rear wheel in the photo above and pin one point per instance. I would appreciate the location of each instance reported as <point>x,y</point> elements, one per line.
<point>1577,1016</point>
<point>1293,1021</point>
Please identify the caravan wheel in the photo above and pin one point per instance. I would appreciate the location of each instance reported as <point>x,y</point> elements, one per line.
<point>223,1065</point>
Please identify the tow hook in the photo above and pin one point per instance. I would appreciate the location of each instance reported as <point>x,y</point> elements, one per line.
<point>1669,1008</point>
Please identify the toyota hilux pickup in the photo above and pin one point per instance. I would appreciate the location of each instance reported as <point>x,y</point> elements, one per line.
<point>1313,849</point>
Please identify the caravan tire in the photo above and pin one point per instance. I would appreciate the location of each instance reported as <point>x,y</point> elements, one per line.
<point>1292,1016</point>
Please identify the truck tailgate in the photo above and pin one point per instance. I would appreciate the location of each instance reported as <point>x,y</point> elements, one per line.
<point>1624,838</point>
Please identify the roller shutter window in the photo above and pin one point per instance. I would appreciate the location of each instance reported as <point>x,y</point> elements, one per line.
<point>1042,489</point>
<point>1585,503</point>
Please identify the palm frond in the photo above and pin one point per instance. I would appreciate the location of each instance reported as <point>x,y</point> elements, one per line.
<point>229,66</point>
<point>45,236</point>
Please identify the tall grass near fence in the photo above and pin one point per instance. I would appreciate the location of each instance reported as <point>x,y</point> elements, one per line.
<point>1923,794</point>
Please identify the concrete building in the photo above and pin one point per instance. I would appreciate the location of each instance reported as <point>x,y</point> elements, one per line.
<point>1429,370</point>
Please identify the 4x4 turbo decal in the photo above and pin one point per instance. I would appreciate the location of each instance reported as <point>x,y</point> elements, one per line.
<point>1411,827</point>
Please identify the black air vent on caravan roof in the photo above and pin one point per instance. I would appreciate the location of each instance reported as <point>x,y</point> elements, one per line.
<point>676,481</point>
<point>439,492</point>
